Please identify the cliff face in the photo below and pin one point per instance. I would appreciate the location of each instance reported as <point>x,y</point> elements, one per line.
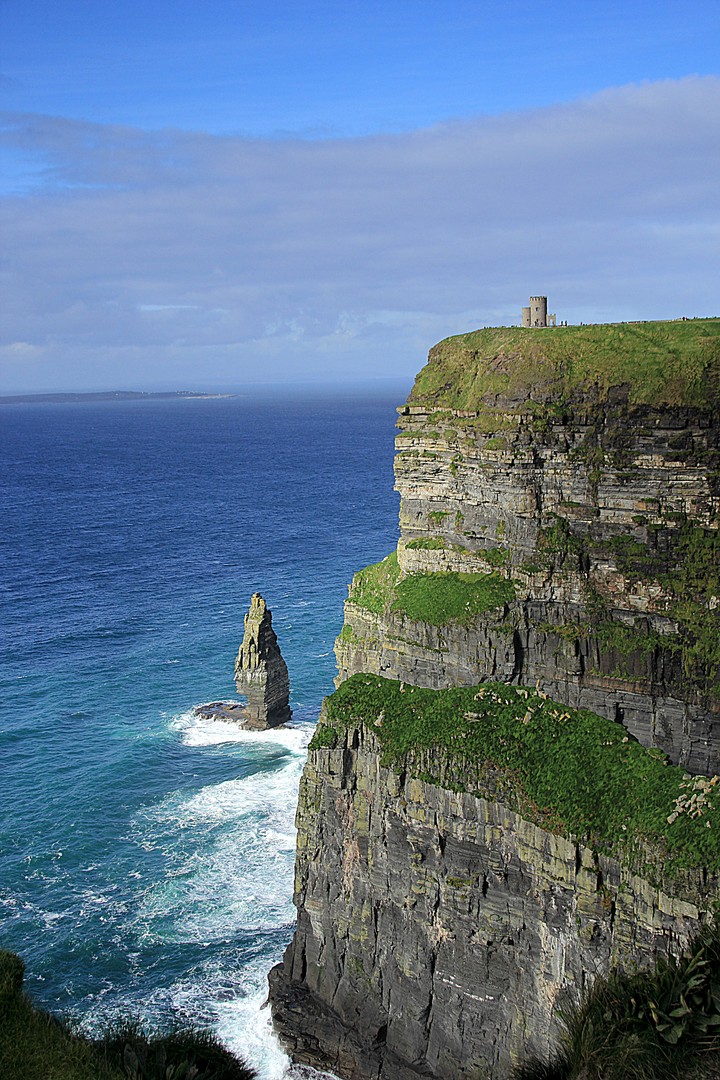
<point>437,931</point>
<point>602,512</point>
<point>465,863</point>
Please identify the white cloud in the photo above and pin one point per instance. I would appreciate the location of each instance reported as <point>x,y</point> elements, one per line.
<point>163,257</point>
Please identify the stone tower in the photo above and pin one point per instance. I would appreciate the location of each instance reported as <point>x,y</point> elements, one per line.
<point>261,674</point>
<point>538,310</point>
<point>536,314</point>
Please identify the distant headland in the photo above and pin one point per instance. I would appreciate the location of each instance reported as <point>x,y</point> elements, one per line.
<point>107,395</point>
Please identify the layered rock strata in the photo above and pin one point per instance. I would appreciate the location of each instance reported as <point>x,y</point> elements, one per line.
<point>261,674</point>
<point>438,932</point>
<point>604,515</point>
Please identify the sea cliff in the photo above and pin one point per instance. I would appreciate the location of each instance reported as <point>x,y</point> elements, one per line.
<point>467,863</point>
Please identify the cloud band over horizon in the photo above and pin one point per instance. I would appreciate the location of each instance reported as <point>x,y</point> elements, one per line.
<point>160,259</point>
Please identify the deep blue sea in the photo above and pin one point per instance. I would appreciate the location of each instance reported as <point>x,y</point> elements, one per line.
<point>146,858</point>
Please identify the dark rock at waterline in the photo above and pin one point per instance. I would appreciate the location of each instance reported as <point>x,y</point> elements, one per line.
<point>222,710</point>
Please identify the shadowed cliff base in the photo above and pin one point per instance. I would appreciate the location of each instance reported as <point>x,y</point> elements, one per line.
<point>442,934</point>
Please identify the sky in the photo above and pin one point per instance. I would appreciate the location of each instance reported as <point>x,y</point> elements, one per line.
<point>209,195</point>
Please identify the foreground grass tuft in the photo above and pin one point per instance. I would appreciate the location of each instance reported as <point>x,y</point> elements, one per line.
<point>179,1055</point>
<point>34,1045</point>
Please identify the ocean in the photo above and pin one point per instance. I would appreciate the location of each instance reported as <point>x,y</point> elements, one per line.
<point>146,857</point>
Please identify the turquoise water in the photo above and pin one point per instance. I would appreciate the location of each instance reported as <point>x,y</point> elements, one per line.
<point>145,856</point>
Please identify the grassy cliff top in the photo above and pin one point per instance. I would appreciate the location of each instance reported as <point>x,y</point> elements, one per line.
<point>661,363</point>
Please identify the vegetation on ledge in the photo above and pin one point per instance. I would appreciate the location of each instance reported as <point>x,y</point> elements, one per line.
<point>428,543</point>
<point>568,770</point>
<point>684,560</point>
<point>438,599</point>
<point>694,586</point>
<point>673,363</point>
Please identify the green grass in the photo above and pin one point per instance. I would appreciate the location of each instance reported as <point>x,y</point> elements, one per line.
<point>568,770</point>
<point>675,363</point>
<point>496,556</point>
<point>177,1055</point>
<point>34,1045</point>
<point>373,587</point>
<point>439,598</point>
<point>444,598</point>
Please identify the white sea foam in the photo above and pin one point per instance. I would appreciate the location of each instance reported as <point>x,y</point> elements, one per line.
<point>196,731</point>
<point>233,1001</point>
<point>229,851</point>
<point>245,1027</point>
<point>51,917</point>
<point>229,854</point>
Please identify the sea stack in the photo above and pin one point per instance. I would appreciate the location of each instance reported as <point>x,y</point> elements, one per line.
<point>261,674</point>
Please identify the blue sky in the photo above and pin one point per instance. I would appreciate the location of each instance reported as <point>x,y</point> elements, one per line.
<point>221,193</point>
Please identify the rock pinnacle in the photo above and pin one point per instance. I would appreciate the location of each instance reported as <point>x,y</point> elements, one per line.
<point>260,672</point>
